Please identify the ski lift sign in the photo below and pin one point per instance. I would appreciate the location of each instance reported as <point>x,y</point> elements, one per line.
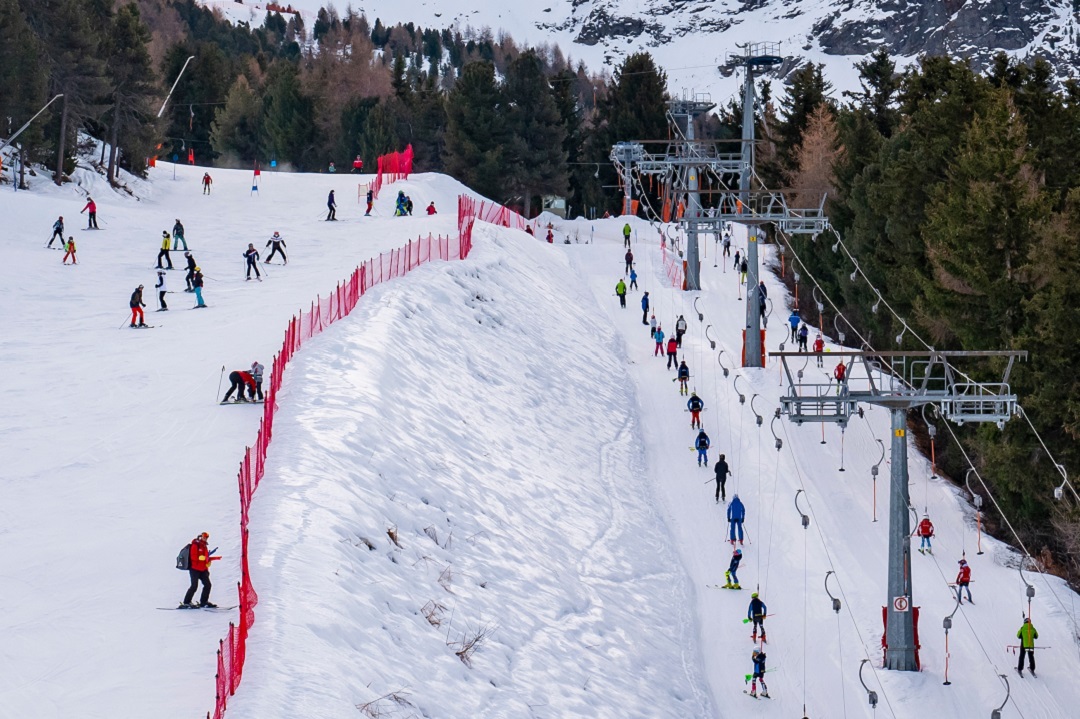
<point>901,604</point>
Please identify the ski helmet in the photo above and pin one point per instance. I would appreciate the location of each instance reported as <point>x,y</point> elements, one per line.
<point>198,269</point>
<point>754,595</point>
<point>738,552</point>
<point>205,535</point>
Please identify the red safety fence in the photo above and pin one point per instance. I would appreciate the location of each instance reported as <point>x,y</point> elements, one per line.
<point>491,212</point>
<point>391,168</point>
<point>673,266</point>
<point>323,313</point>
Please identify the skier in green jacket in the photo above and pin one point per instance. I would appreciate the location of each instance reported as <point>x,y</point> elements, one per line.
<point>620,290</point>
<point>1027,636</point>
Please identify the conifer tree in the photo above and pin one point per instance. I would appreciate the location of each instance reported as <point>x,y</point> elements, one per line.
<point>288,119</point>
<point>476,131</point>
<point>535,158</point>
<point>133,86</point>
<point>236,128</point>
<point>22,75</point>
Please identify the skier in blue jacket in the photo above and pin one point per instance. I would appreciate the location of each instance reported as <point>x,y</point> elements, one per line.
<point>730,574</point>
<point>756,613</point>
<point>758,658</point>
<point>644,299</point>
<point>331,206</point>
<point>633,279</point>
<point>794,320</point>
<point>701,444</point>
<point>736,513</point>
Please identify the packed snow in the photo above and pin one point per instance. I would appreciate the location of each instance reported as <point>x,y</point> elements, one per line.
<point>485,449</point>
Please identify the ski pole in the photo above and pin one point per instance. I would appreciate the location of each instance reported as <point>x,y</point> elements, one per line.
<point>220,377</point>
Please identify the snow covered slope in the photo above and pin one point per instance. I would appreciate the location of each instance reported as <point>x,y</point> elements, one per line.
<point>691,39</point>
<point>508,423</point>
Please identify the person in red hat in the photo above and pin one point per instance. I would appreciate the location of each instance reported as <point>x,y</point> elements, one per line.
<point>199,571</point>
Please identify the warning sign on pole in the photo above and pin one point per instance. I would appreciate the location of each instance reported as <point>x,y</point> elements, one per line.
<point>900,604</point>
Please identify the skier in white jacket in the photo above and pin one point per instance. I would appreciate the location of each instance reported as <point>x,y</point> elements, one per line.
<point>161,290</point>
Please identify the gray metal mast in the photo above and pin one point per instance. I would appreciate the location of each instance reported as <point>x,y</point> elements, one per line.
<point>689,110</point>
<point>900,381</point>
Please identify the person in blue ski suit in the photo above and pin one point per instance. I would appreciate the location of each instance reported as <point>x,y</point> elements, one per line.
<point>730,574</point>
<point>794,320</point>
<point>736,513</point>
<point>331,206</point>
<point>633,279</point>
<point>756,613</point>
<point>644,300</point>
<point>701,444</point>
<point>758,658</point>
<point>684,379</point>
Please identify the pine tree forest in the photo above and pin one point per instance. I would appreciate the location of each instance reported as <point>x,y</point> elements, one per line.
<point>958,192</point>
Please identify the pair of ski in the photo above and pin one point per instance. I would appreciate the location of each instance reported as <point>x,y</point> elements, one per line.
<point>181,607</point>
<point>926,551</point>
<point>1021,673</point>
<point>250,401</point>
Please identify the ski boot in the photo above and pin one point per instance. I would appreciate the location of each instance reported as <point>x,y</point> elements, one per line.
<point>208,605</point>
<point>736,586</point>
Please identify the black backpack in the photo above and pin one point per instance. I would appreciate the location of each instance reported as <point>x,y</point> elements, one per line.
<point>183,559</point>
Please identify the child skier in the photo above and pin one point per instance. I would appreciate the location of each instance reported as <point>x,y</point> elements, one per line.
<point>57,232</point>
<point>963,582</point>
<point>804,332</point>
<point>431,209</point>
<point>658,335</point>
<point>196,286</point>
<point>370,199</point>
<point>238,380</point>
<point>652,326</point>
<point>819,347</point>
<point>257,376</point>
<point>736,514</point>
<point>278,243</point>
<point>70,247</point>
<point>758,658</point>
<point>794,320</point>
<point>731,574</point>
<point>684,379</point>
<point>756,613</point>
<point>839,373</point>
<point>633,283</point>
<point>161,290</point>
<point>701,444</point>
<point>136,304</point>
<point>166,243</point>
<point>252,256</point>
<point>695,405</point>
<point>925,530</point>
<point>206,182</point>
<point>722,471</point>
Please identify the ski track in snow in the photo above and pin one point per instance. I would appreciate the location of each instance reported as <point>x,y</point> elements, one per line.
<point>509,420</point>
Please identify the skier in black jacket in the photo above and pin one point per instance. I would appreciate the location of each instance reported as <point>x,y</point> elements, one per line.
<point>278,243</point>
<point>722,471</point>
<point>190,271</point>
<point>252,257</point>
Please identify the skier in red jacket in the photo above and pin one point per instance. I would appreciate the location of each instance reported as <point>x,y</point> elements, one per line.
<point>925,530</point>
<point>199,571</point>
<point>839,372</point>
<point>963,582</point>
<point>672,353</point>
<point>239,378</point>
<point>92,217</point>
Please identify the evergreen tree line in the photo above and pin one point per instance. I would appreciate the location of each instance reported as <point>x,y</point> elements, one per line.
<point>959,194</point>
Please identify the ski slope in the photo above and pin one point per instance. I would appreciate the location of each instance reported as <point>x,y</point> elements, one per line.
<point>507,422</point>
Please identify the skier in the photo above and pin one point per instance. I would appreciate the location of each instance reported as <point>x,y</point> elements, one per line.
<point>206,182</point>
<point>672,353</point>
<point>626,235</point>
<point>925,530</point>
<point>431,209</point>
<point>804,331</point>
<point>331,205</point>
<point>680,329</point>
<point>722,472</point>
<point>644,302</point>
<point>762,295</point>
<point>331,169</point>
<point>161,290</point>
<point>794,320</point>
<point>239,378</point>
<point>652,326</point>
<point>70,247</point>
<point>550,237</point>
<point>1027,636</point>
<point>684,378</point>
<point>694,405</point>
<point>659,337</point>
<point>758,658</point>
<point>57,232</point>
<point>736,514</point>
<point>736,265</point>
<point>370,199</point>
<point>408,205</point>
<point>278,243</point>
<point>731,574</point>
<point>399,205</point>
<point>137,305</point>
<point>166,243</point>
<point>357,165</point>
<point>199,571</point>
<point>727,245</point>
<point>839,373</point>
<point>819,348</point>
<point>178,235</point>
<point>620,290</point>
<point>744,267</point>
<point>629,257</point>
<point>756,613</point>
<point>963,582</point>
<point>701,444</point>
<point>257,376</point>
<point>190,271</point>
<point>252,256</point>
<point>196,286</point>
<point>91,218</point>
<point>633,278</point>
